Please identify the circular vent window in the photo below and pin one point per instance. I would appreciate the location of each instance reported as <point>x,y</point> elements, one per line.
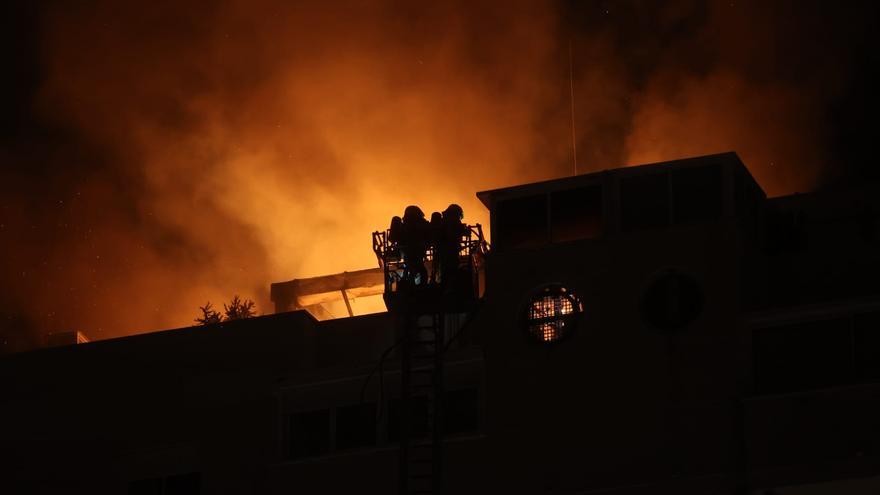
<point>552,313</point>
<point>672,301</point>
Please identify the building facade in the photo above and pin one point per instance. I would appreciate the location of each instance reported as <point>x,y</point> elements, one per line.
<point>656,329</point>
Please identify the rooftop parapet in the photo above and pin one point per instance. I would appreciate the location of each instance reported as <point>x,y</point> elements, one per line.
<point>623,200</point>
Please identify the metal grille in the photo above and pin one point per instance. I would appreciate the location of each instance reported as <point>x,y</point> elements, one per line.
<point>549,314</point>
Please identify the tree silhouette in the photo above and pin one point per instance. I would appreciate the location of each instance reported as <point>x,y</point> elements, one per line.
<point>209,315</point>
<point>239,309</point>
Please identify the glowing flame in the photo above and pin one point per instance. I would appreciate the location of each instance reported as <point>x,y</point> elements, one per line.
<point>547,316</point>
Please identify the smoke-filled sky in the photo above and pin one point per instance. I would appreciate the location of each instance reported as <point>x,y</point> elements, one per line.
<point>157,155</point>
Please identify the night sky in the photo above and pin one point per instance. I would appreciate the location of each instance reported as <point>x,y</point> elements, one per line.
<point>157,156</point>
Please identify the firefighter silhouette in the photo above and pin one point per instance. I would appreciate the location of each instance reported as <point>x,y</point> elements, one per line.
<point>414,240</point>
<point>394,235</point>
<point>449,244</point>
<point>436,235</point>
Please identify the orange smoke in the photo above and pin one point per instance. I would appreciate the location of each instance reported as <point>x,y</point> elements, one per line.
<point>224,146</point>
<point>765,125</point>
<point>259,142</point>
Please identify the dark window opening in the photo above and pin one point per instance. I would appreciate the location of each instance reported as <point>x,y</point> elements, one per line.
<point>148,486</point>
<point>576,214</point>
<point>697,193</point>
<point>748,203</point>
<point>462,412</point>
<point>786,231</point>
<point>179,484</point>
<point>644,202</point>
<point>309,433</point>
<point>356,426</point>
<point>418,422</point>
<point>803,356</point>
<point>867,338</point>
<point>521,222</point>
<point>183,484</point>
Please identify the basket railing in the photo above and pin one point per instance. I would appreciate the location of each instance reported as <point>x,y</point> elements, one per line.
<point>472,249</point>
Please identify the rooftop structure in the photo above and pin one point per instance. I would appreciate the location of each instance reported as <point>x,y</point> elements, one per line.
<point>313,294</point>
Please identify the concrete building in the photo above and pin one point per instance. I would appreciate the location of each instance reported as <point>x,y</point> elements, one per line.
<point>656,329</point>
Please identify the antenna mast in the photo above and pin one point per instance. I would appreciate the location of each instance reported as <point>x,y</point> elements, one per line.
<point>574,148</point>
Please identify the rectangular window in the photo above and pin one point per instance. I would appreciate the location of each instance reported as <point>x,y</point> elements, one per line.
<point>697,193</point>
<point>803,356</point>
<point>644,202</point>
<point>576,214</point>
<point>521,222</point>
<point>462,412</point>
<point>356,426</point>
<point>183,484</point>
<point>867,345</point>
<point>748,202</point>
<point>418,422</point>
<point>148,486</point>
<point>178,484</point>
<point>309,433</point>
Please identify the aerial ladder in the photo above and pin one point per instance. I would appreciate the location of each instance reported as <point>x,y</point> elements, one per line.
<point>426,313</point>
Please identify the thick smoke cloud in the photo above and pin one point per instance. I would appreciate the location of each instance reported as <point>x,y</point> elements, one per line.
<point>183,153</point>
<point>240,143</point>
<point>760,78</point>
<point>770,80</point>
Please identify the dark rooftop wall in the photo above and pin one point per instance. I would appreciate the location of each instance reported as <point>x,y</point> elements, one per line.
<point>823,245</point>
<point>354,341</point>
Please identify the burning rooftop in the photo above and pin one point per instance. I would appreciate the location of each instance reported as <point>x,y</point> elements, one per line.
<point>682,332</point>
<point>589,206</point>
